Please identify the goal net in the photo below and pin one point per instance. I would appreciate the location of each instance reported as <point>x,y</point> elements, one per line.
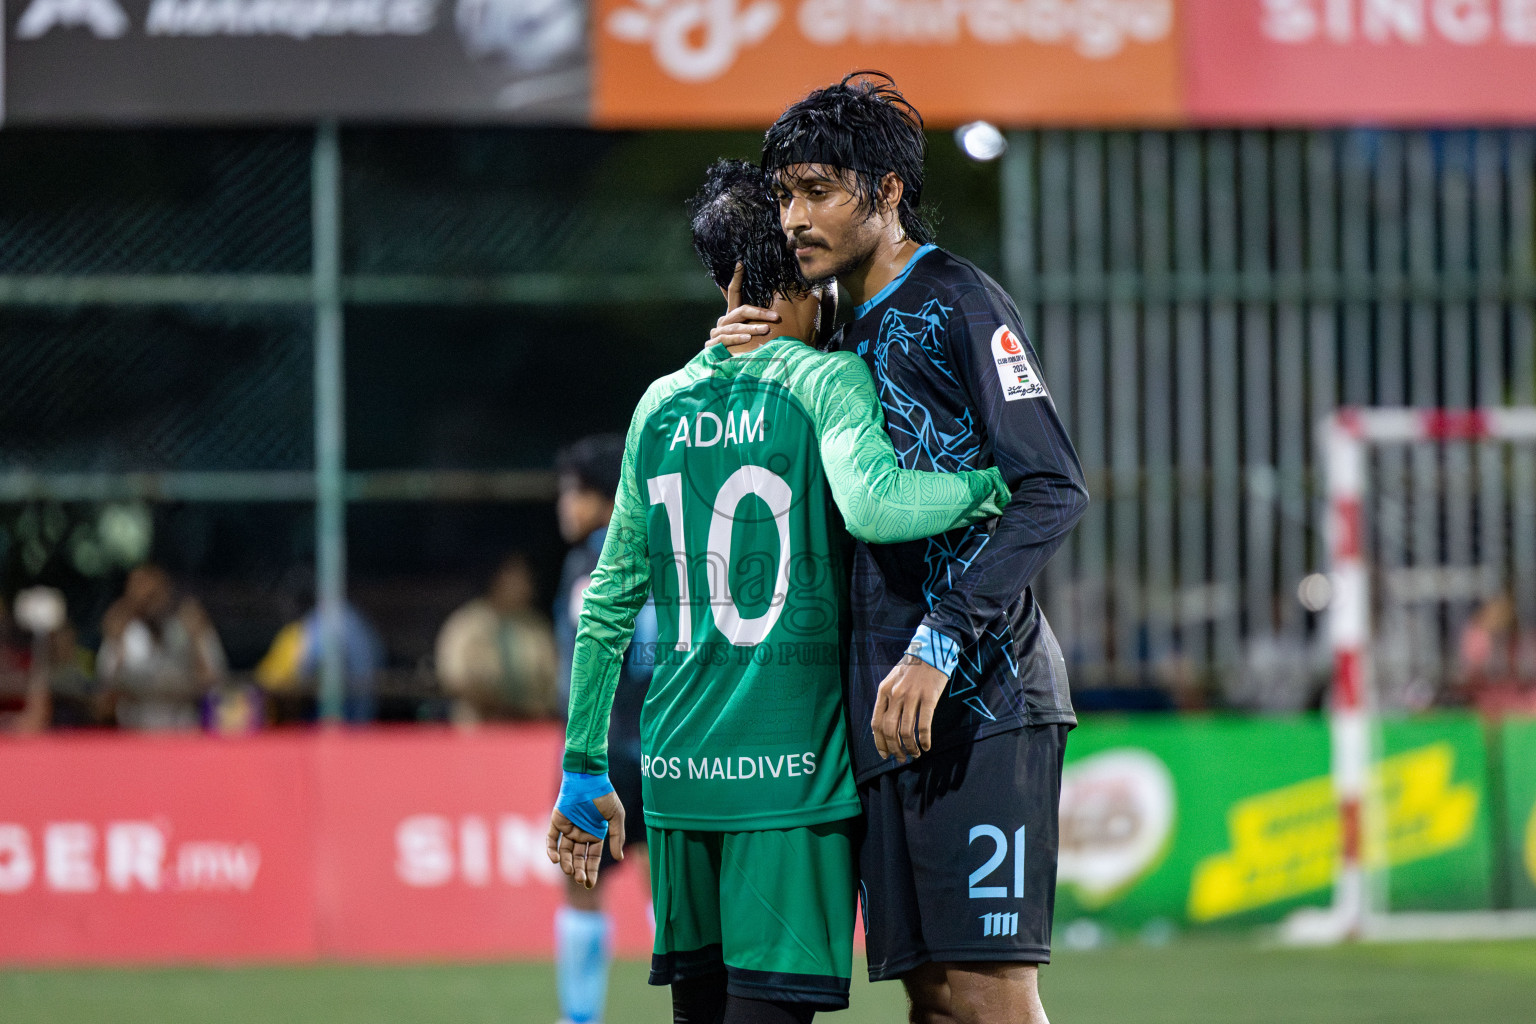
<point>1432,571</point>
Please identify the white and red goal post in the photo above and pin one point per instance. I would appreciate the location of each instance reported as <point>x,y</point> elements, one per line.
<point>1348,437</point>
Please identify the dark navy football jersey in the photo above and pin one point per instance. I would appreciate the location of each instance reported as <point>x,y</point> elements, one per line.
<point>961,389</point>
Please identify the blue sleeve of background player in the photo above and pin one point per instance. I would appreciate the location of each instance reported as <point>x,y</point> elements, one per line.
<point>1001,374</point>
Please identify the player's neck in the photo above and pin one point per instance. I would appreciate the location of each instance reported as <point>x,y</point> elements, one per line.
<point>791,324</point>
<point>884,265</point>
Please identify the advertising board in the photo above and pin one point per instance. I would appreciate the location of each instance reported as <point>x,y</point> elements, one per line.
<point>1517,746</point>
<point>242,61</point>
<point>741,62</point>
<point>1233,821</point>
<point>1399,62</point>
<point>373,845</point>
<point>423,843</point>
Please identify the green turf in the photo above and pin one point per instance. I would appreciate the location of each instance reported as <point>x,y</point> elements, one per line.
<point>1189,983</point>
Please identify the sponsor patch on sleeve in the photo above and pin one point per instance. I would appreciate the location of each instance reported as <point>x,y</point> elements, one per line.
<point>1018,378</point>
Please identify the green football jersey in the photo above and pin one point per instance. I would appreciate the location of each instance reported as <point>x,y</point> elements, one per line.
<point>723,512</point>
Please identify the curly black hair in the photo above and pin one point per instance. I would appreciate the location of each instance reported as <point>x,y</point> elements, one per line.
<point>864,127</point>
<point>735,220</point>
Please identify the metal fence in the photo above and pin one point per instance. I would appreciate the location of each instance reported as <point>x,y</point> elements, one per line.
<point>1200,299</point>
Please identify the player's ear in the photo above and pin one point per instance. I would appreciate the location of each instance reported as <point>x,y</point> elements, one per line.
<point>891,190</point>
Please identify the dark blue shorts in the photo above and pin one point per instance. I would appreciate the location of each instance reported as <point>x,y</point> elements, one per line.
<point>958,859</point>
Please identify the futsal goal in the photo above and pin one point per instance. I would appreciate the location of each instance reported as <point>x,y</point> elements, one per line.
<point>1432,565</point>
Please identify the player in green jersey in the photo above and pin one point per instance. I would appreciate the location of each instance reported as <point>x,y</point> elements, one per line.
<point>735,470</point>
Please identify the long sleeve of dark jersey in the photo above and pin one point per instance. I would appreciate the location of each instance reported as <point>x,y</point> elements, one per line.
<point>1001,374</point>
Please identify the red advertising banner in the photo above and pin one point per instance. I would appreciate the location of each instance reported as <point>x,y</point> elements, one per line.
<point>1396,62</point>
<point>432,844</point>
<point>140,849</point>
<point>377,844</point>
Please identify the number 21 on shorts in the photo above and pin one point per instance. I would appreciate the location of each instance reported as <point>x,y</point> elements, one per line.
<point>999,854</point>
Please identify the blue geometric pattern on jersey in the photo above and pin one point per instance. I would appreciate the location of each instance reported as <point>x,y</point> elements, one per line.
<point>965,683</point>
<point>909,422</point>
<point>920,444</point>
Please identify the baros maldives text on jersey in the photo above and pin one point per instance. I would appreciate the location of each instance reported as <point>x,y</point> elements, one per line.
<point>961,389</point>
<point>723,509</point>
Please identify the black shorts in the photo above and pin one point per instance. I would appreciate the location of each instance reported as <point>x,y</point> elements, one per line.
<point>958,859</point>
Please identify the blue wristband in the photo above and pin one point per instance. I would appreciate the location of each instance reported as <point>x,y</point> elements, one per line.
<point>935,648</point>
<point>577,791</point>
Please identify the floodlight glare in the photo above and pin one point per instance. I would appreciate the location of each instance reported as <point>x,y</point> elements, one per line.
<point>1315,592</point>
<point>981,141</point>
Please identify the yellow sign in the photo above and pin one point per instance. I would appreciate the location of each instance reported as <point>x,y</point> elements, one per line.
<point>1285,843</point>
<point>1530,846</point>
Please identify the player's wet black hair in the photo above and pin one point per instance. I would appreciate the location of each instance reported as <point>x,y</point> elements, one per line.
<point>864,127</point>
<point>594,462</point>
<point>735,220</point>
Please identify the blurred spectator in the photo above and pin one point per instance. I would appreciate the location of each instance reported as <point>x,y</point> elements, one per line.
<point>1498,654</point>
<point>62,691</point>
<point>76,700</point>
<point>160,654</point>
<point>1281,670</point>
<point>496,654</point>
<point>24,703</point>
<point>294,656</point>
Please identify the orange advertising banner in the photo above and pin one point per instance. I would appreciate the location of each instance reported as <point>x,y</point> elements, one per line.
<point>695,63</point>
<point>1397,62</point>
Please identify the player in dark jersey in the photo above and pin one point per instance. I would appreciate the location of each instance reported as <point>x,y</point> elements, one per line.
<point>951,657</point>
<point>588,477</point>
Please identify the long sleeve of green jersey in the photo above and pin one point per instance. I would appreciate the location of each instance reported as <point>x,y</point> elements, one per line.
<point>882,503</point>
<point>618,590</point>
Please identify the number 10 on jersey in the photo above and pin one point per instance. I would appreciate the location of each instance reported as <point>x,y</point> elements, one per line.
<point>667,490</point>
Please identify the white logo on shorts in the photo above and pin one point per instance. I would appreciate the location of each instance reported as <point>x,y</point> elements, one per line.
<point>999,924</point>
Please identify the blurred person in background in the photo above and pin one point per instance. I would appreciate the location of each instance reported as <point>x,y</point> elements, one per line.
<point>294,657</point>
<point>24,705</point>
<point>496,654</point>
<point>588,474</point>
<point>75,699</point>
<point>59,681</point>
<point>160,654</point>
<point>1498,656</point>
<point>1281,671</point>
